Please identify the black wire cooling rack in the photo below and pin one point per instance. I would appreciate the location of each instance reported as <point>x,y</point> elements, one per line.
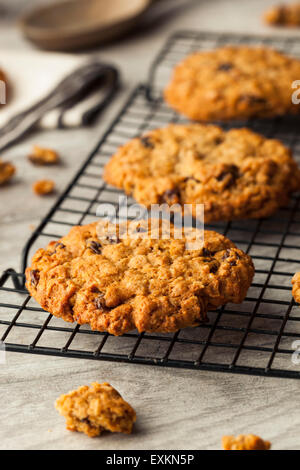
<point>259,336</point>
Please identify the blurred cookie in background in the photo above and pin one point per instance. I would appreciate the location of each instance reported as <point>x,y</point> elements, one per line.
<point>283,15</point>
<point>234,82</point>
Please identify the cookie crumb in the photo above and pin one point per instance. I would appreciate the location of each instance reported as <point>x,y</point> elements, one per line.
<point>7,171</point>
<point>95,409</point>
<point>245,442</point>
<point>43,187</point>
<point>43,156</point>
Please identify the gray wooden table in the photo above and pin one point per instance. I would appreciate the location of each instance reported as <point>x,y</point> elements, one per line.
<point>177,409</point>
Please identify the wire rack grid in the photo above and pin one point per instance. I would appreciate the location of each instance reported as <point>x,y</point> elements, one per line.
<point>258,337</point>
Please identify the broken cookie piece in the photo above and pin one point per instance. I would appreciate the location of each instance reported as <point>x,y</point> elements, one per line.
<point>7,170</point>
<point>43,187</point>
<point>245,442</point>
<point>94,409</point>
<point>43,156</point>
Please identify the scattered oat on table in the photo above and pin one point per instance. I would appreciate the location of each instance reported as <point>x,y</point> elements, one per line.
<point>43,187</point>
<point>7,170</point>
<point>283,15</point>
<point>94,409</point>
<point>43,156</point>
<point>245,442</point>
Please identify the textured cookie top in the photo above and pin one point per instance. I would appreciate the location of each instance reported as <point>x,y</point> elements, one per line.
<point>149,284</point>
<point>234,82</point>
<point>95,409</point>
<point>235,174</point>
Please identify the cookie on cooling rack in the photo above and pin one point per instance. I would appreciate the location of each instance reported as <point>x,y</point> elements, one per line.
<point>234,83</point>
<point>296,287</point>
<point>236,174</point>
<point>146,282</point>
<point>95,409</point>
<point>284,15</point>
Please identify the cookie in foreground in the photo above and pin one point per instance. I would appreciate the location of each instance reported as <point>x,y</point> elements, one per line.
<point>245,442</point>
<point>95,409</point>
<point>234,82</point>
<point>236,174</point>
<point>152,284</point>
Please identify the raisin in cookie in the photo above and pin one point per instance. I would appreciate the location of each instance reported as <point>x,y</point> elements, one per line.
<point>236,174</point>
<point>152,284</point>
<point>284,15</point>
<point>234,83</point>
<point>95,409</point>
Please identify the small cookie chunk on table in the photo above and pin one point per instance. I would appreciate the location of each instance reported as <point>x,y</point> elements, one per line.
<point>236,174</point>
<point>43,187</point>
<point>245,442</point>
<point>95,409</point>
<point>234,82</point>
<point>43,156</point>
<point>145,282</point>
<point>7,171</point>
